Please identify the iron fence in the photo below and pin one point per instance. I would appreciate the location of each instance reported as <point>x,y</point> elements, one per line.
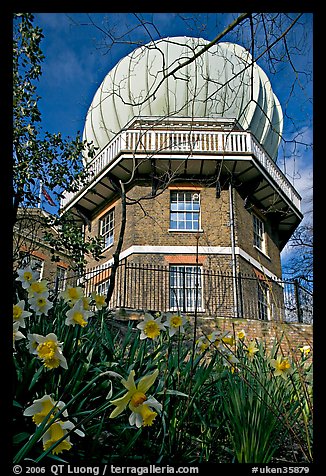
<point>208,291</point>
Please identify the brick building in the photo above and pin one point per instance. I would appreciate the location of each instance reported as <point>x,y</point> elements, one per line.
<point>30,248</point>
<point>208,210</point>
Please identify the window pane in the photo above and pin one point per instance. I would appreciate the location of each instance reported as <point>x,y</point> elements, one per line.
<point>184,211</point>
<point>107,229</point>
<point>183,289</point>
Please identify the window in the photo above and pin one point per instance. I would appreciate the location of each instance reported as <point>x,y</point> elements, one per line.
<point>102,288</point>
<point>36,264</point>
<point>107,229</point>
<point>184,211</point>
<point>263,301</point>
<point>183,280</point>
<point>61,278</point>
<point>259,233</point>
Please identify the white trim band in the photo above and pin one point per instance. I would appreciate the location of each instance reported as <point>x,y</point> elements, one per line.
<point>183,250</point>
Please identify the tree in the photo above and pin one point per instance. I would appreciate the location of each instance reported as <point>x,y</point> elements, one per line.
<point>43,159</point>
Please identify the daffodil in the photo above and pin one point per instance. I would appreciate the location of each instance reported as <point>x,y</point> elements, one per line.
<point>229,359</point>
<point>241,334</point>
<point>305,350</point>
<point>99,300</point>
<point>17,335</point>
<point>252,349</point>
<point>175,323</point>
<point>57,430</point>
<point>150,327</point>
<point>202,343</point>
<point>78,315</point>
<point>135,395</point>
<point>217,339</point>
<point>38,289</point>
<point>32,343</point>
<point>72,294</point>
<point>46,407</point>
<point>40,304</point>
<point>26,276</point>
<point>19,313</point>
<point>282,367</point>
<point>229,340</point>
<point>86,303</point>
<point>42,407</point>
<point>143,415</point>
<point>49,351</point>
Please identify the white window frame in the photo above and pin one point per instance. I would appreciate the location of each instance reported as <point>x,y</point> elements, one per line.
<point>61,280</point>
<point>102,288</point>
<point>106,229</point>
<point>183,216</point>
<point>182,283</point>
<point>259,233</point>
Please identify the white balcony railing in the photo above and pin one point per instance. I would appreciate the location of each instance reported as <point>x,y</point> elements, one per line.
<point>153,142</point>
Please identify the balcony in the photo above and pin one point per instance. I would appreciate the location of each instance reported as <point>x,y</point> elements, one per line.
<point>189,149</point>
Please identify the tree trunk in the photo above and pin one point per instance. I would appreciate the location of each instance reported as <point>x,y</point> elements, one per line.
<point>117,252</point>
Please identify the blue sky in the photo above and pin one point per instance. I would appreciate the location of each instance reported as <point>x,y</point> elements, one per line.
<point>77,58</point>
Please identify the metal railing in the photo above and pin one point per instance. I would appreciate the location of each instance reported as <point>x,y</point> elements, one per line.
<point>184,288</point>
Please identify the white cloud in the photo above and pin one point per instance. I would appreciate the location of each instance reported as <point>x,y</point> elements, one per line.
<point>298,167</point>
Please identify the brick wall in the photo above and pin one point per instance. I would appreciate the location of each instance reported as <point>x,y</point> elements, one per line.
<point>148,224</point>
<point>290,335</point>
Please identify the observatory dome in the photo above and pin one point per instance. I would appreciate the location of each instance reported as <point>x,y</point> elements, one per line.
<point>220,83</point>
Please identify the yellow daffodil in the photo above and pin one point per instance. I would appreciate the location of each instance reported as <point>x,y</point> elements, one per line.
<point>305,350</point>
<point>99,300</point>
<point>135,395</point>
<point>38,289</point>
<point>48,350</point>
<point>202,343</point>
<point>40,304</point>
<point>252,349</point>
<point>17,335</point>
<point>78,315</point>
<point>229,340</point>
<point>150,327</point>
<point>86,303</point>
<point>217,339</point>
<point>42,407</point>
<point>26,276</point>
<point>19,313</point>
<point>143,415</point>
<point>175,323</point>
<point>72,294</point>
<point>39,410</point>
<point>241,334</point>
<point>282,367</point>
<point>57,430</point>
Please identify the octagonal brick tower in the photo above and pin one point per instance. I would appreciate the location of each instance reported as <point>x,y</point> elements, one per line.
<point>193,133</point>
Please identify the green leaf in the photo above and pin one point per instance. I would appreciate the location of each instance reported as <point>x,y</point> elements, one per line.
<point>173,392</point>
<point>16,404</point>
<point>20,437</point>
<point>35,378</point>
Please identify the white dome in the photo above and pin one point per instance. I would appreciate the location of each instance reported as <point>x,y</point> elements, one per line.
<point>219,83</point>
